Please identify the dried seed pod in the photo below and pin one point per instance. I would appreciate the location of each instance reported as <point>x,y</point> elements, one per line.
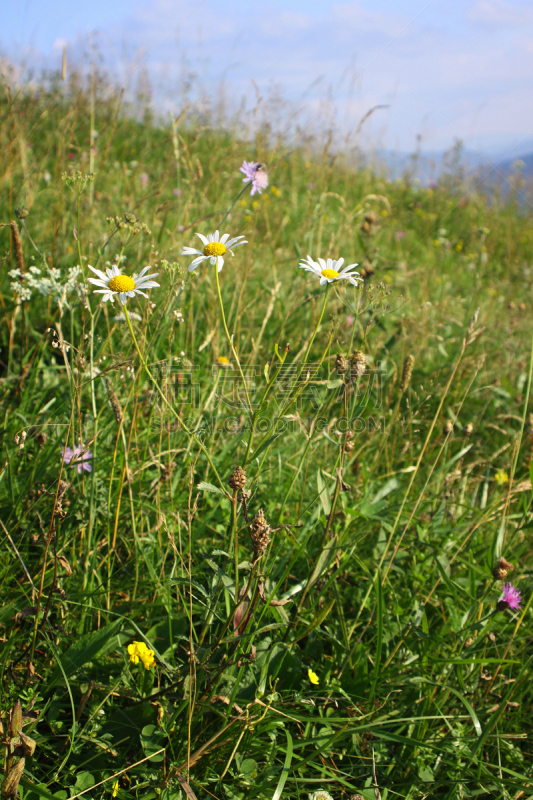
<point>349,446</point>
<point>260,534</point>
<point>407,371</point>
<point>27,744</point>
<point>342,364</point>
<point>237,479</point>
<point>358,364</point>
<point>468,428</point>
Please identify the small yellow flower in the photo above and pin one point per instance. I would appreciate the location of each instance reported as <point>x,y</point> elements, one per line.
<point>313,677</point>
<point>115,789</point>
<point>138,650</point>
<point>223,362</point>
<point>275,191</point>
<point>502,477</point>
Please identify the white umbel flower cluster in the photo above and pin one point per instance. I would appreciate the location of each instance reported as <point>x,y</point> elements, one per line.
<point>47,283</point>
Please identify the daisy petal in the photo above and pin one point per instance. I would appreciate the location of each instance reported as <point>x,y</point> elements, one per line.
<point>98,272</point>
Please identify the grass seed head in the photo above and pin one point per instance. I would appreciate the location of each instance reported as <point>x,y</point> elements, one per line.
<point>114,401</point>
<point>407,371</point>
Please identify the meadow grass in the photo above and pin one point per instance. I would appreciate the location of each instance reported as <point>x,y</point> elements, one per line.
<point>333,623</point>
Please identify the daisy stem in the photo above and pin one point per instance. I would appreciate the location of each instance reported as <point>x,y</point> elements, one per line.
<point>170,406</point>
<point>231,344</point>
<point>316,329</point>
<point>244,188</point>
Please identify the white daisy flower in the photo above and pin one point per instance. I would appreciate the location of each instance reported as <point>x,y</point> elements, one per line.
<point>112,282</point>
<point>215,248</point>
<point>330,270</point>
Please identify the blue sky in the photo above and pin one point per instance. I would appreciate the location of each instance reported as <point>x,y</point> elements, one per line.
<point>446,68</point>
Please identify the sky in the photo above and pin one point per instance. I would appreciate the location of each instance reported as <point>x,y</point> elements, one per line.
<point>446,69</point>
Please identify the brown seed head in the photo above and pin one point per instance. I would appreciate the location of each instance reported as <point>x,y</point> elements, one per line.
<point>358,360</point>
<point>260,534</point>
<point>342,364</point>
<point>237,479</point>
<point>468,428</point>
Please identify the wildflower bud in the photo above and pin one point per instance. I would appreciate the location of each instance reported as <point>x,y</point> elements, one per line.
<point>130,218</point>
<point>10,784</point>
<point>15,719</point>
<point>447,428</point>
<point>260,534</point>
<point>342,364</point>
<point>358,360</point>
<point>21,213</point>
<point>469,641</point>
<point>237,479</point>
<point>349,446</point>
<point>468,428</point>
<point>501,569</point>
<point>407,371</point>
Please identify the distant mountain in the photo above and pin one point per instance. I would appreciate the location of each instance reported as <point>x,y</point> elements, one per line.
<point>524,164</point>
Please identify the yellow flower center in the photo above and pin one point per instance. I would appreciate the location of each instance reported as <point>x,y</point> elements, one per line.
<point>330,273</point>
<point>214,249</point>
<point>121,283</point>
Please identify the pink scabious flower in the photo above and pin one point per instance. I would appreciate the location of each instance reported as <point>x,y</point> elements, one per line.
<point>256,173</point>
<point>78,460</point>
<point>144,179</point>
<point>511,596</point>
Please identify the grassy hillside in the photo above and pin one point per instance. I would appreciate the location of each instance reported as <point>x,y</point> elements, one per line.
<point>331,621</point>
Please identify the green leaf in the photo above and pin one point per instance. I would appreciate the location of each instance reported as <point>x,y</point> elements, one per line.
<point>84,650</point>
<point>194,584</point>
<point>204,486</point>
<point>323,493</point>
<point>266,444</point>
<point>285,771</point>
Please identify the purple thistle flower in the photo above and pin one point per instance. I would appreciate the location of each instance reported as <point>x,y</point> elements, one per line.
<point>256,173</point>
<point>511,596</point>
<point>73,454</point>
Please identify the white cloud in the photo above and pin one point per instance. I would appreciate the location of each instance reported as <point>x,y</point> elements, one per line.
<point>500,12</point>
